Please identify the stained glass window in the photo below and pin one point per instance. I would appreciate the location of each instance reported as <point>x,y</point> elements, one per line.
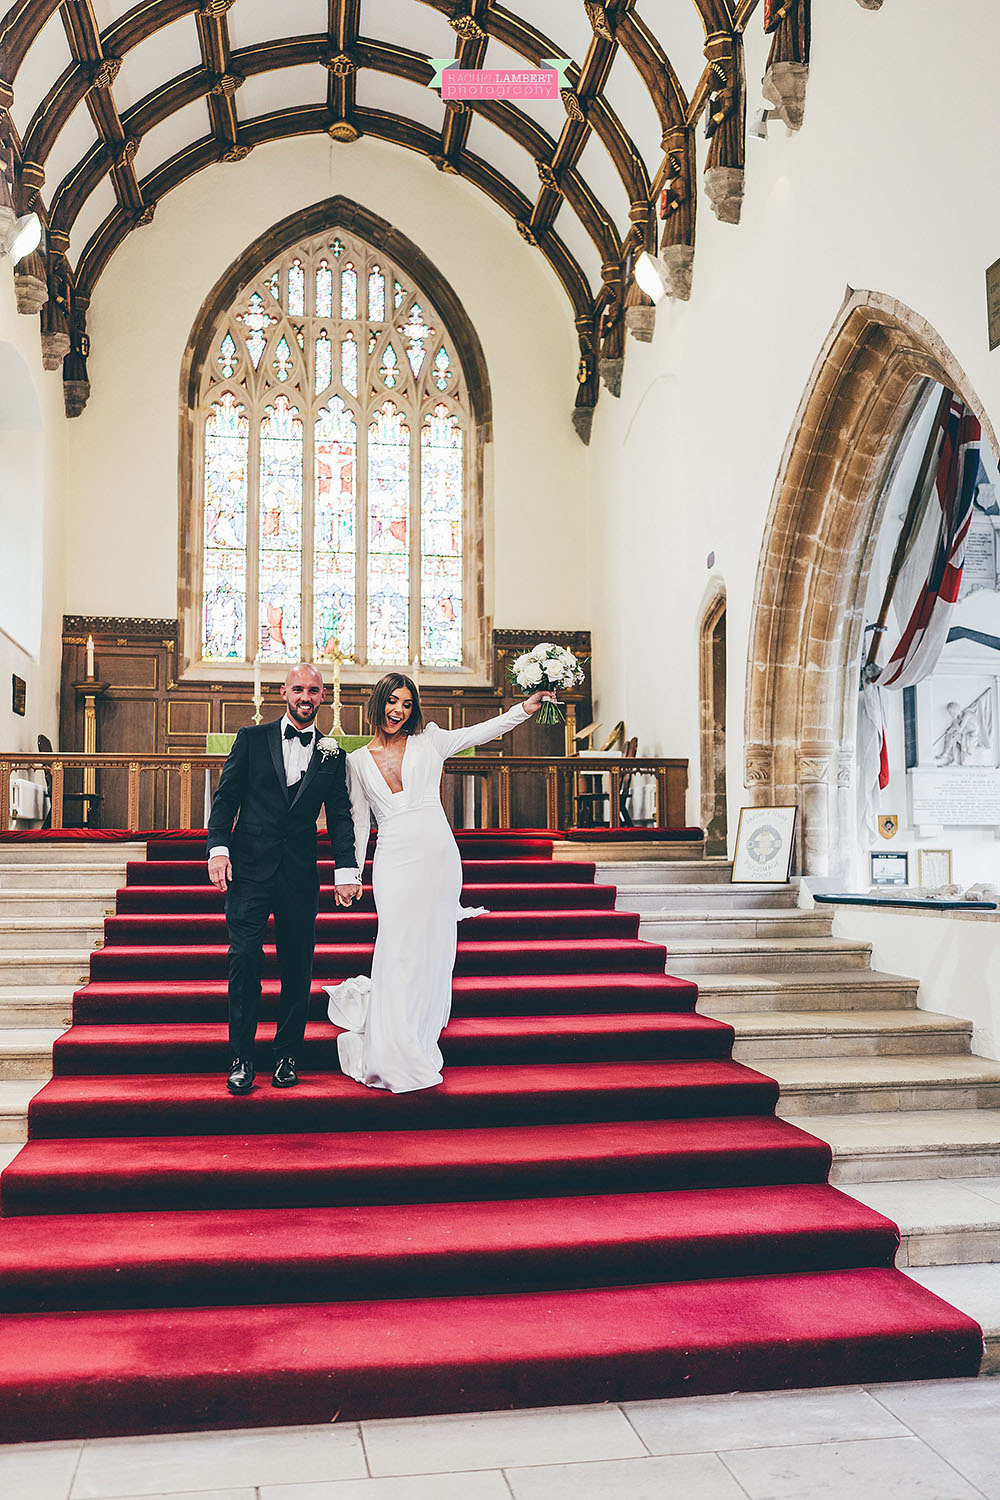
<point>227,432</point>
<point>296,288</point>
<point>324,290</point>
<point>388,539</point>
<point>336,450</point>
<point>376,295</point>
<point>334,443</point>
<point>348,291</point>
<point>280,524</point>
<point>324,361</point>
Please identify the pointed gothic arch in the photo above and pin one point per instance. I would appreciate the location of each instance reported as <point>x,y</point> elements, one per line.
<point>233,376</point>
<point>807,625</point>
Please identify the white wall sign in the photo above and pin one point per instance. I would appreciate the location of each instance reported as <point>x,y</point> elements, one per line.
<point>964,797</point>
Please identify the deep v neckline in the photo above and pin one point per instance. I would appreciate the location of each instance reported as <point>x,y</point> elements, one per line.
<point>382,774</point>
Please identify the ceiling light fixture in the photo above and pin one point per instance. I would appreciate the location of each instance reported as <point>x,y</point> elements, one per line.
<point>20,237</point>
<point>652,276</point>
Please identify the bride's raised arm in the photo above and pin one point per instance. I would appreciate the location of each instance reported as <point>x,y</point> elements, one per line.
<point>454,741</point>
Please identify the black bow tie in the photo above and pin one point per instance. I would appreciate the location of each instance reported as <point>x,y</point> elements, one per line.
<point>306,736</point>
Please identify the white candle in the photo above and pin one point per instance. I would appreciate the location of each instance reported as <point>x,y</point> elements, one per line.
<point>256,677</point>
<point>90,658</point>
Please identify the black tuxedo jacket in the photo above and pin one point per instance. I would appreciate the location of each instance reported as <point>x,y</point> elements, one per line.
<point>269,828</point>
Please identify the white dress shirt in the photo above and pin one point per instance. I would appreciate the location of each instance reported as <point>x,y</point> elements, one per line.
<point>296,757</point>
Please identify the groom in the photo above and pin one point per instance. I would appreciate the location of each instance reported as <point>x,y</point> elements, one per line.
<point>262,854</point>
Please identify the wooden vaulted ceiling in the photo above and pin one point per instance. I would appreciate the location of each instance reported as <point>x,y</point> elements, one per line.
<point>575,179</point>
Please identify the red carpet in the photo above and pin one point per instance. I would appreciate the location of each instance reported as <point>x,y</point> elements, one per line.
<point>597,1204</point>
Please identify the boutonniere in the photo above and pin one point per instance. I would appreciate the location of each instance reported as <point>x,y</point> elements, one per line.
<point>327,746</point>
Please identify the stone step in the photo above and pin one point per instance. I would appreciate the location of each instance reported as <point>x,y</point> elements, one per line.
<point>975,1290</point>
<point>73,904</point>
<point>36,1005</point>
<point>668,926</point>
<point>726,995</point>
<point>687,956</point>
<point>15,1095</point>
<point>25,934</point>
<point>707,898</point>
<point>666,872</point>
<point>26,1052</point>
<point>65,877</point>
<point>879,1147</point>
<point>60,966</point>
<point>82,853</point>
<point>882,1033</point>
<point>854,1085</point>
<point>941,1222</point>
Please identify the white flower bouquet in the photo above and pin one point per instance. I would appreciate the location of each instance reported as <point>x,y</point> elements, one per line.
<point>549,668</point>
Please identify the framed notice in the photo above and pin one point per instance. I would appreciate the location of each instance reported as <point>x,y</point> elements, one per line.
<point>935,867</point>
<point>889,868</point>
<point>765,840</point>
<point>18,694</point>
<point>993,303</point>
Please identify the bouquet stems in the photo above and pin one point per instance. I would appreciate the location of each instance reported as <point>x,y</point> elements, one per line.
<point>550,713</point>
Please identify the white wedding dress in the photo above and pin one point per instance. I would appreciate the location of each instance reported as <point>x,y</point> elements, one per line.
<point>393,1020</point>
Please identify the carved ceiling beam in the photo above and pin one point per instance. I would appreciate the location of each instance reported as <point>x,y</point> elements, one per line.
<point>99,69</point>
<point>224,80</point>
<point>677,206</point>
<point>784,82</point>
<point>587,382</point>
<point>470,52</point>
<point>312,120</point>
<point>342,61</point>
<point>726,125</point>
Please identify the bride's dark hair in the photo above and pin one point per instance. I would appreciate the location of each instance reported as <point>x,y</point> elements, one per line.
<point>383,691</point>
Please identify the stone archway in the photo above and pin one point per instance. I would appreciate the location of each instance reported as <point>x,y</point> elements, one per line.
<point>807,625</point>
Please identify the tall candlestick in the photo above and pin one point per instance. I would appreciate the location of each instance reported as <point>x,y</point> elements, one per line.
<point>90,657</point>
<point>258,696</point>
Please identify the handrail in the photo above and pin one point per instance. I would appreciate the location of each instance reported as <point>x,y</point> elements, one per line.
<point>494,771</point>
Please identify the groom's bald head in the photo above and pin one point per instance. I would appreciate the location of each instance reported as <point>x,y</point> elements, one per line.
<point>303,692</point>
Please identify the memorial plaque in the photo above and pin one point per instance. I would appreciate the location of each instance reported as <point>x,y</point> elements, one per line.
<point>980,570</point>
<point>962,798</point>
<point>993,303</point>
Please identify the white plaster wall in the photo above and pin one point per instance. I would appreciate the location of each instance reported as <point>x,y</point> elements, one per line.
<point>955,957</point>
<point>122,527</point>
<point>32,476</point>
<point>885,188</point>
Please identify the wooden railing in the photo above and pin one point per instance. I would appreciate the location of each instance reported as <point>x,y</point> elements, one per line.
<point>163,791</point>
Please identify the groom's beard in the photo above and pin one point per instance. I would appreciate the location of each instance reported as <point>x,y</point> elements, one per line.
<point>304,714</point>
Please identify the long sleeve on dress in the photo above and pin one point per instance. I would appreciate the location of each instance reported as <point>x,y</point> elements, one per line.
<point>454,741</point>
<point>361,812</point>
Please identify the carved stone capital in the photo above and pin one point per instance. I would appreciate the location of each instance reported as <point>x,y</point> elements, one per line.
<point>105,72</point>
<point>76,394</point>
<point>31,288</point>
<point>571,104</point>
<point>870,4</point>
<point>784,88</point>
<point>55,347</point>
<point>724,188</point>
<point>583,421</point>
<point>610,371</point>
<point>226,84</point>
<point>466,27</point>
<point>758,765</point>
<point>640,322</point>
<point>597,15</point>
<point>343,130</point>
<point>679,261</point>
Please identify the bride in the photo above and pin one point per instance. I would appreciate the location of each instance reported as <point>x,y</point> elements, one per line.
<point>392,1021</point>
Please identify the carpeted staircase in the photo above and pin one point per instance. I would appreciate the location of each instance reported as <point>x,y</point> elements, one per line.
<point>598,1203</point>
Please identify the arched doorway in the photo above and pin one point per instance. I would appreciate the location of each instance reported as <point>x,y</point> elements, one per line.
<point>805,637</point>
<point>712,684</point>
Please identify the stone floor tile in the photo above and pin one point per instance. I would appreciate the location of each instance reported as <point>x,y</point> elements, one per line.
<point>41,1471</point>
<point>695,1476</point>
<point>928,1204</point>
<point>245,1492</point>
<point>989,1187</point>
<point>488,1485</point>
<point>494,1440</point>
<point>901,1468</point>
<point>188,1462</point>
<point>959,1419</point>
<point>703,1424</point>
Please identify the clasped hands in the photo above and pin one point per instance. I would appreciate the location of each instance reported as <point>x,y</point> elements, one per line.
<point>345,895</point>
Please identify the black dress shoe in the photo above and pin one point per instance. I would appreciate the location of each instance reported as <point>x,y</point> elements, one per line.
<point>285,1076</point>
<point>241,1077</point>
